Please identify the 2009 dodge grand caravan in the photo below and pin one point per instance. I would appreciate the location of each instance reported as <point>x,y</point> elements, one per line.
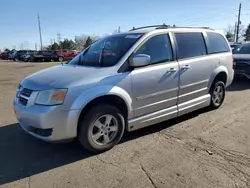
<point>126,81</point>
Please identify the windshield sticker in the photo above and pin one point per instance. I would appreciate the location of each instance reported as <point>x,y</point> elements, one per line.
<point>132,36</point>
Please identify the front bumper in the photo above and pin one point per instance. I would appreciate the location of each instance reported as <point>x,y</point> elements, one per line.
<point>48,123</point>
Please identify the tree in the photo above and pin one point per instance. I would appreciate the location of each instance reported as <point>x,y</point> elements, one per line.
<point>67,44</point>
<point>80,42</point>
<point>88,42</point>
<point>230,33</point>
<point>230,36</point>
<point>247,33</point>
<point>54,46</point>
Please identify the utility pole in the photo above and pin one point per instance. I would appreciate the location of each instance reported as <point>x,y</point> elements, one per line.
<point>119,29</point>
<point>235,31</point>
<point>59,41</point>
<point>35,46</point>
<point>238,24</point>
<point>40,33</point>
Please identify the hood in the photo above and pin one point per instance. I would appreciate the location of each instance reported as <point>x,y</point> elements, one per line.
<point>241,56</point>
<point>64,76</point>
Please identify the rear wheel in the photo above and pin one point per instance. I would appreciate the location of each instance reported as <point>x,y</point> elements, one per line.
<point>217,92</point>
<point>101,128</point>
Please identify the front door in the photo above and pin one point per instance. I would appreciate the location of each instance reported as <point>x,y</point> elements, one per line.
<point>155,87</point>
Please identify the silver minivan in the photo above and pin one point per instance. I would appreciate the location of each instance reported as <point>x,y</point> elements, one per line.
<point>126,81</point>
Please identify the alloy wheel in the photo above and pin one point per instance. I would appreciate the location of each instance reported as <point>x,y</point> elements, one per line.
<point>104,129</point>
<point>217,95</point>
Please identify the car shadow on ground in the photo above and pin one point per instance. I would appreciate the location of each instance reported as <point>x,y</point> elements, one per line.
<point>23,156</point>
<point>239,84</point>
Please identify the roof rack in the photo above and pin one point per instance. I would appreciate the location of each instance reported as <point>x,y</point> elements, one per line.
<point>164,26</point>
<point>156,26</point>
<point>192,27</point>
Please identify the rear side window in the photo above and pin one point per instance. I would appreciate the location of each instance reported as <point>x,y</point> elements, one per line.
<point>190,45</point>
<point>217,43</point>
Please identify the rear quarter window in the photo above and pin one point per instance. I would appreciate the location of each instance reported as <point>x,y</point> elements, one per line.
<point>217,43</point>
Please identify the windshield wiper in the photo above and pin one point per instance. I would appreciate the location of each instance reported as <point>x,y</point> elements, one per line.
<point>101,54</point>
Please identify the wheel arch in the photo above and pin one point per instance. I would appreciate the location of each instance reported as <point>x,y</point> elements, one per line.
<point>220,73</point>
<point>113,95</point>
<point>110,99</point>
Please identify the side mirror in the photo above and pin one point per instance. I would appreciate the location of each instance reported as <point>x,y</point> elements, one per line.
<point>140,60</point>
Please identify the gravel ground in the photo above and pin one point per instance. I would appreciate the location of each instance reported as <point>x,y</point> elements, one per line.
<point>201,149</point>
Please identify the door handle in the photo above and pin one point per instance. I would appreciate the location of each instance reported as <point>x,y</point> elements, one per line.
<point>172,70</point>
<point>185,67</point>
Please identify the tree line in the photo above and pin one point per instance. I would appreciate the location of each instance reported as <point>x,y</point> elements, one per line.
<point>79,43</point>
<point>244,34</point>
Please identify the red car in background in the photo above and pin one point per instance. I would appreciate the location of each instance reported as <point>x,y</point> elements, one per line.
<point>4,55</point>
<point>64,55</point>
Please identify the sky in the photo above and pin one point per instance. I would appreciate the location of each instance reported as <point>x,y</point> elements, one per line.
<point>19,27</point>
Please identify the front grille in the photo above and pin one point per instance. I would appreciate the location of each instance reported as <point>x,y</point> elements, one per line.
<point>24,95</point>
<point>23,101</point>
<point>241,65</point>
<point>26,92</point>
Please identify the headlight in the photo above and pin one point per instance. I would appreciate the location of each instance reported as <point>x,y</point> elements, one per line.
<point>51,97</point>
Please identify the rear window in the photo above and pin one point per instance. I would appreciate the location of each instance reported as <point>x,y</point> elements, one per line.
<point>190,45</point>
<point>217,43</point>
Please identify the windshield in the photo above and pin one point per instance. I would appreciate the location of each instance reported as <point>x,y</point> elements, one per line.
<point>242,49</point>
<point>107,51</point>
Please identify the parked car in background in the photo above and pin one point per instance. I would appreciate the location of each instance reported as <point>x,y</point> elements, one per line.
<point>64,55</point>
<point>27,57</point>
<point>4,55</point>
<point>124,82</point>
<point>12,54</point>
<point>42,56</point>
<point>242,60</point>
<point>26,54</point>
<point>19,55</point>
<point>234,46</point>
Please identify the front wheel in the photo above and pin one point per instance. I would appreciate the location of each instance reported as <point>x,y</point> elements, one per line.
<point>217,92</point>
<point>101,128</point>
<point>60,59</point>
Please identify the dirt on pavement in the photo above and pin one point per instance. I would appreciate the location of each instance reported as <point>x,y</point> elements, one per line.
<point>202,149</point>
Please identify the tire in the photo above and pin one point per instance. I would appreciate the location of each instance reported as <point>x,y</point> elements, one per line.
<point>93,123</point>
<point>217,92</point>
<point>60,59</point>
